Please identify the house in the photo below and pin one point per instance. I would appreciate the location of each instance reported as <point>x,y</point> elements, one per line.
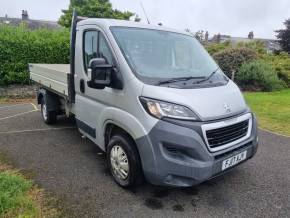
<point>271,45</point>
<point>31,24</point>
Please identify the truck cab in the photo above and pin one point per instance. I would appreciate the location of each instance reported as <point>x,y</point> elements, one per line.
<point>154,100</point>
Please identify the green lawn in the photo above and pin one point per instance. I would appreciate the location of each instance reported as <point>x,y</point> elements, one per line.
<point>14,198</point>
<point>19,197</point>
<point>272,109</point>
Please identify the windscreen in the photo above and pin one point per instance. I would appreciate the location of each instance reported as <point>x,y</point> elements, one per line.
<point>162,54</point>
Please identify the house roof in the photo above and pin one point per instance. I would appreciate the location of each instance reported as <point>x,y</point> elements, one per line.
<point>31,24</point>
<point>270,44</point>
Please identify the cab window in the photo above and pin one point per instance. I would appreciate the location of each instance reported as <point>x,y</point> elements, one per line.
<point>96,46</point>
<point>90,46</point>
<point>104,50</point>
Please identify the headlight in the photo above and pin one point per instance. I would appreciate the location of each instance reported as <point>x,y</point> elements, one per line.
<point>161,109</point>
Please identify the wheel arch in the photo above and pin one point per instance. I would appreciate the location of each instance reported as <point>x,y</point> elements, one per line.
<point>118,118</point>
<point>134,154</point>
<point>143,147</point>
<point>111,128</point>
<point>40,95</point>
<point>51,99</point>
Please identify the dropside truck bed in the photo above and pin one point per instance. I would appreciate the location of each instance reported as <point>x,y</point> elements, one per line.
<point>54,77</point>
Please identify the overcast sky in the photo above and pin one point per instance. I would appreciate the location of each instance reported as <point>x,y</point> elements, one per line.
<point>233,17</point>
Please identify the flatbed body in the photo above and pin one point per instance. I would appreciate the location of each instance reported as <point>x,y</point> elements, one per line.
<point>52,76</point>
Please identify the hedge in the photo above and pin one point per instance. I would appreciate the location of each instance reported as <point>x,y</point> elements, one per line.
<point>231,59</point>
<point>281,65</point>
<point>20,46</point>
<point>226,55</point>
<point>258,76</point>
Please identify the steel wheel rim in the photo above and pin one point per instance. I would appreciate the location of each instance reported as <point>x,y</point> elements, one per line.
<point>44,112</point>
<point>119,162</point>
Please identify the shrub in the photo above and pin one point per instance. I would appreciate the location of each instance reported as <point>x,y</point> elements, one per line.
<point>230,60</point>
<point>213,48</point>
<point>257,45</point>
<point>20,46</point>
<point>281,65</point>
<point>258,76</point>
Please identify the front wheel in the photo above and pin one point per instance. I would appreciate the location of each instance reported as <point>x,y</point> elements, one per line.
<point>48,117</point>
<point>124,161</point>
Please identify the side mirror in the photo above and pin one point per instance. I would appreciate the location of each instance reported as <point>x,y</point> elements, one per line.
<point>99,73</point>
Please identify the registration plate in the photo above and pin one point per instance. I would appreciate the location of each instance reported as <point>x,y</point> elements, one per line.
<point>234,160</point>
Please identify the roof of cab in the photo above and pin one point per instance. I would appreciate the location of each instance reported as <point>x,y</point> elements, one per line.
<point>106,23</point>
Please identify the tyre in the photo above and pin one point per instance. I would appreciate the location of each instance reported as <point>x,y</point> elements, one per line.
<point>48,117</point>
<point>124,161</point>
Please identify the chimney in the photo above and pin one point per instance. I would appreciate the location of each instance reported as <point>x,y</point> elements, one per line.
<point>24,15</point>
<point>6,19</point>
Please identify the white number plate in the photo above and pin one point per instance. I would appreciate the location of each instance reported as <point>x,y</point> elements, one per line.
<point>234,160</point>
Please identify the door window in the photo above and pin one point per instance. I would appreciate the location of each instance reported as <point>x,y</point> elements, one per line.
<point>90,46</point>
<point>104,49</point>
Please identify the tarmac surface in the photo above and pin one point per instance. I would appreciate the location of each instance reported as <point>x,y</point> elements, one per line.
<point>74,170</point>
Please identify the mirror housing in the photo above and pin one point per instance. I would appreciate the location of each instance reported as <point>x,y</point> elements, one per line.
<point>99,73</point>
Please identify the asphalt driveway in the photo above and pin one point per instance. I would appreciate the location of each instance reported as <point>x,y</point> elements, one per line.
<point>74,170</point>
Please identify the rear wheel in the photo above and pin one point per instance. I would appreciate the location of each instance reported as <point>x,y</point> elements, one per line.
<point>48,117</point>
<point>124,161</point>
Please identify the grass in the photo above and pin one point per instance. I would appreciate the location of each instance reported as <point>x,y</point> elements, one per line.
<point>19,197</point>
<point>4,99</point>
<point>272,109</point>
<point>14,195</point>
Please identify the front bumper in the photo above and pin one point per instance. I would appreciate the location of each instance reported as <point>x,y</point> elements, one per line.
<point>175,154</point>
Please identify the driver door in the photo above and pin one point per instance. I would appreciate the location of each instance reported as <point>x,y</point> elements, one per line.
<point>90,102</point>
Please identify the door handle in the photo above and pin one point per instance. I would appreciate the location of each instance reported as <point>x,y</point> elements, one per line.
<point>82,85</point>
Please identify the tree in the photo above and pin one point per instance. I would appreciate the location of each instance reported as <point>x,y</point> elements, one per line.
<point>251,35</point>
<point>206,36</point>
<point>199,35</point>
<point>92,8</point>
<point>283,36</point>
<point>137,18</point>
<point>218,38</point>
<point>188,30</point>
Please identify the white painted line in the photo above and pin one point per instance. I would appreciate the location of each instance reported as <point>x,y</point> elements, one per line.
<point>16,115</point>
<point>37,130</point>
<point>274,133</point>
<point>8,106</point>
<point>34,106</point>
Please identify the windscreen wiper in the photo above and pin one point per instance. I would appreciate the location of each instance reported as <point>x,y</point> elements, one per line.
<point>207,78</point>
<point>178,79</point>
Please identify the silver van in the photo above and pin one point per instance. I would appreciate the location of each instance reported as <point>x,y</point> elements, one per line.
<point>153,99</point>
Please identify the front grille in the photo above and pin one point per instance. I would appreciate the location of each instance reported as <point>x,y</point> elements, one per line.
<point>226,135</point>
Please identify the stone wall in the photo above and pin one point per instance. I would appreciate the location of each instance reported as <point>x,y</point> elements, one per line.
<point>18,91</point>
